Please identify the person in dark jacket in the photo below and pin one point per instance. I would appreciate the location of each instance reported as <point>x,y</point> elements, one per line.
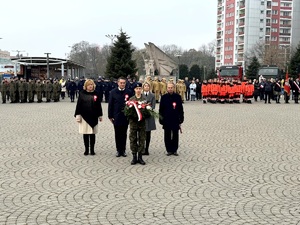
<point>256,92</point>
<point>116,104</point>
<point>88,112</point>
<point>277,91</point>
<point>171,118</point>
<point>268,90</point>
<point>72,89</point>
<point>99,89</point>
<point>296,90</point>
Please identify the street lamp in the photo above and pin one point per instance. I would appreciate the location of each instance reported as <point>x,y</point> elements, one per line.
<point>111,37</point>
<point>178,56</point>
<point>47,53</point>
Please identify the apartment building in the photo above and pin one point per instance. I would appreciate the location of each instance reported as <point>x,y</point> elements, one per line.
<point>241,24</point>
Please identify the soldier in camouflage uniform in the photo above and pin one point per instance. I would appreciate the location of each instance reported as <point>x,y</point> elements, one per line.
<point>30,90</point>
<point>56,90</point>
<point>137,134</point>
<point>12,91</point>
<point>39,88</point>
<point>48,90</point>
<point>3,89</point>
<point>22,89</point>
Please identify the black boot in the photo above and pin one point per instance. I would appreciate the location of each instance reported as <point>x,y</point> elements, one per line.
<point>134,159</point>
<point>148,137</point>
<point>92,142</point>
<point>86,143</point>
<point>140,159</point>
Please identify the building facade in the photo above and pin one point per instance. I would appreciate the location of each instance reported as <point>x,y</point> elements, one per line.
<point>241,24</point>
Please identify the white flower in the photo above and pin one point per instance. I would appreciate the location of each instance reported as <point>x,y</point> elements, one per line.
<point>130,106</point>
<point>139,106</point>
<point>148,107</point>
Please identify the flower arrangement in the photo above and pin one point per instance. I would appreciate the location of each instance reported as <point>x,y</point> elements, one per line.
<point>139,110</point>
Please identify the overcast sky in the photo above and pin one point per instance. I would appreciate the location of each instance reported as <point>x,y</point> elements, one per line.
<point>37,26</point>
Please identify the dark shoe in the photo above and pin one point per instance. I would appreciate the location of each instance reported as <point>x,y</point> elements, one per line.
<point>169,153</point>
<point>86,152</point>
<point>92,150</point>
<point>118,154</point>
<point>124,154</point>
<point>134,159</point>
<point>175,153</point>
<point>146,152</point>
<point>140,159</point>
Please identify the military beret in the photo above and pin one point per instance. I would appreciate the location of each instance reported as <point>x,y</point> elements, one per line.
<point>137,84</point>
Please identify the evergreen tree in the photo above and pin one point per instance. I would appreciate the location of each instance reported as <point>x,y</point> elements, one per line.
<point>252,70</point>
<point>183,71</point>
<point>195,71</point>
<point>120,62</point>
<point>294,68</point>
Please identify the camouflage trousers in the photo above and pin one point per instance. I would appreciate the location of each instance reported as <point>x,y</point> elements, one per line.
<point>137,136</point>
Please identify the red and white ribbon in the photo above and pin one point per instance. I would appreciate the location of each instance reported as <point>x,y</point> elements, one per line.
<point>138,112</point>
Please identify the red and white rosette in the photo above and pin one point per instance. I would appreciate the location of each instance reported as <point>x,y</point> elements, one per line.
<point>126,97</point>
<point>174,105</point>
<point>95,98</point>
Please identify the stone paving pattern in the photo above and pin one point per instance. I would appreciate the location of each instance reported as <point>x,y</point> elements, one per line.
<point>237,164</point>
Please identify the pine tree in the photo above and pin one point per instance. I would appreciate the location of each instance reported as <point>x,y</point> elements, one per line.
<point>294,68</point>
<point>195,71</point>
<point>120,62</point>
<point>252,70</point>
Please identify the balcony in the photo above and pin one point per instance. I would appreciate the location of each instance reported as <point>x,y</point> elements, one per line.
<point>242,6</point>
<point>241,24</point>
<point>219,37</point>
<point>219,28</point>
<point>240,59</point>
<point>285,34</point>
<point>219,12</point>
<point>285,25</point>
<point>268,24</point>
<point>242,15</point>
<point>219,21</point>
<point>241,33</point>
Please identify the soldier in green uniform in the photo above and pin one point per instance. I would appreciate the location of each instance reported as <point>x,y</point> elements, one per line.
<point>3,89</point>
<point>30,90</point>
<point>21,90</point>
<point>137,134</point>
<point>12,91</point>
<point>39,88</point>
<point>48,90</point>
<point>56,90</point>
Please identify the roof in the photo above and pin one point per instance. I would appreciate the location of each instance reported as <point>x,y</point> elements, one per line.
<point>36,61</point>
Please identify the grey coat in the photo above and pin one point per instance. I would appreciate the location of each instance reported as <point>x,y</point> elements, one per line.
<point>150,122</point>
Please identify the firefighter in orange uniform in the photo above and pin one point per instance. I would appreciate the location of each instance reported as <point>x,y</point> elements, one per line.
<point>248,92</point>
<point>238,91</point>
<point>223,92</point>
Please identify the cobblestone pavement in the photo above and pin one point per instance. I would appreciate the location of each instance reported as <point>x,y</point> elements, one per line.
<point>237,164</point>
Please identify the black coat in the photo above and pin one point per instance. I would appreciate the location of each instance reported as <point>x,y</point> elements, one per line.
<point>116,106</point>
<point>89,107</point>
<point>171,111</point>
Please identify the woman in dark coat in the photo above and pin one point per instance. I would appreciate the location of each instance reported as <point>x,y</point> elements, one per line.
<point>88,112</point>
<point>256,90</point>
<point>150,122</point>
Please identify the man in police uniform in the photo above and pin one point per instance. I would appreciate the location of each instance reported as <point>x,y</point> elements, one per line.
<point>137,135</point>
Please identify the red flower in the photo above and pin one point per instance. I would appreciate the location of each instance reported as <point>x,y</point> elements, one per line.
<point>95,98</point>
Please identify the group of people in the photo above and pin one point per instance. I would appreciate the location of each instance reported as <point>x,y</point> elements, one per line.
<point>18,90</point>
<point>171,115</point>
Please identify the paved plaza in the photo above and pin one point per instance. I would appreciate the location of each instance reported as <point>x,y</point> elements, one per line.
<point>237,164</point>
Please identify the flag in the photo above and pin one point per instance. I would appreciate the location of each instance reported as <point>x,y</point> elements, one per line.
<point>287,74</point>
<point>287,87</point>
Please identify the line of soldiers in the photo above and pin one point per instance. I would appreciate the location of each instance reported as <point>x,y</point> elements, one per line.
<point>19,90</point>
